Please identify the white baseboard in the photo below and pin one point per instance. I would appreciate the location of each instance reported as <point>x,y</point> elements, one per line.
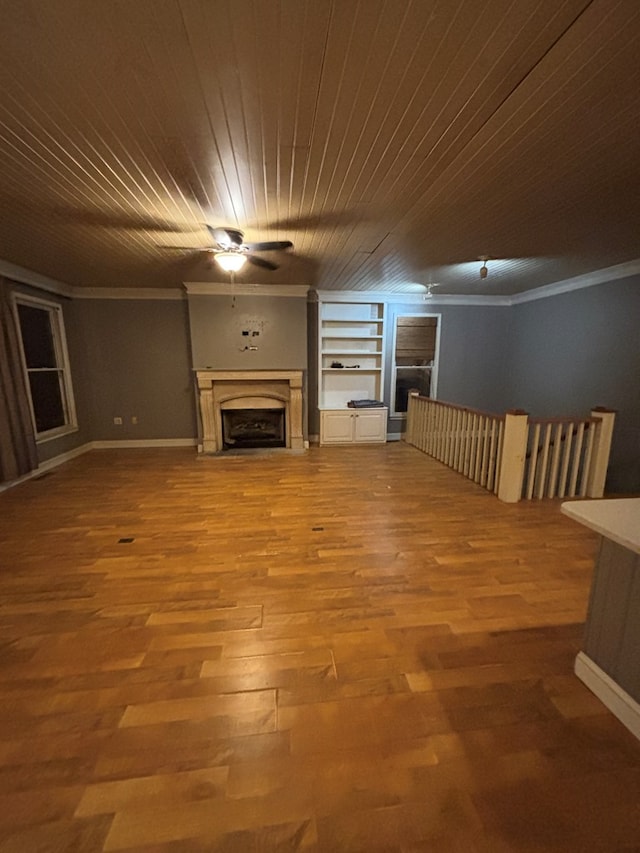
<point>43,467</point>
<point>144,442</point>
<point>612,696</point>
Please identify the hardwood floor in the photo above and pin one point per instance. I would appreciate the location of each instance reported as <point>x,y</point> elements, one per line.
<point>349,650</point>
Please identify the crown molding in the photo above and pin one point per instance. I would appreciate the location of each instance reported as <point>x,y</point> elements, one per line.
<point>206,288</point>
<point>127,293</point>
<point>399,298</point>
<point>42,282</point>
<point>579,282</point>
<point>34,279</point>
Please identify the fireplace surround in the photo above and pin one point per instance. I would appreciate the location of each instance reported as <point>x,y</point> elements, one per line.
<point>220,390</point>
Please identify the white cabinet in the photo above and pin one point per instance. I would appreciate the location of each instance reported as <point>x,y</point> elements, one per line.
<point>353,426</point>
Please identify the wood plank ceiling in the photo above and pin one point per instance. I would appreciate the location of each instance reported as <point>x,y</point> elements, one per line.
<point>393,141</point>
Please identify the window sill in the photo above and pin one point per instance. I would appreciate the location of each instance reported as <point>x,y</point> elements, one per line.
<point>58,432</point>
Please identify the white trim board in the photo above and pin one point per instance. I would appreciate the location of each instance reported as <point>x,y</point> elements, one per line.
<point>579,282</point>
<point>162,293</point>
<point>34,279</point>
<point>205,288</point>
<point>43,467</point>
<point>144,442</point>
<point>612,696</point>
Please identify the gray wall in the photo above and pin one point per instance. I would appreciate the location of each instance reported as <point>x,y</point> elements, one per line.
<point>571,352</point>
<point>473,354</point>
<point>135,362</point>
<point>217,324</point>
<point>559,355</point>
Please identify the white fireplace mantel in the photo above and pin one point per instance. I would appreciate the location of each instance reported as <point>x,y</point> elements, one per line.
<point>218,389</point>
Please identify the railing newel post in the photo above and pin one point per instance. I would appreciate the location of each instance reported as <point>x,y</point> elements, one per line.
<point>602,446</point>
<point>514,452</point>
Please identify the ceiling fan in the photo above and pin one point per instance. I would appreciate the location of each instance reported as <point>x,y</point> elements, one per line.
<point>231,252</point>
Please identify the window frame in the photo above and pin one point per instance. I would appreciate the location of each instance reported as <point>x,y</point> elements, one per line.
<point>433,395</point>
<point>62,366</point>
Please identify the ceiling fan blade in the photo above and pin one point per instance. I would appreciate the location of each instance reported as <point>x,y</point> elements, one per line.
<point>274,245</point>
<point>260,262</point>
<point>227,237</point>
<point>187,248</point>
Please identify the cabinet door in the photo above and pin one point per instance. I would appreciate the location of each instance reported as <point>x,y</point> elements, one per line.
<point>336,427</point>
<point>371,425</point>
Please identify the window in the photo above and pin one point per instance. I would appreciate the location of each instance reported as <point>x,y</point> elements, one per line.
<point>414,358</point>
<point>46,365</point>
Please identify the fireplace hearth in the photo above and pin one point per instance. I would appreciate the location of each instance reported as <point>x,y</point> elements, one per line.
<point>253,428</point>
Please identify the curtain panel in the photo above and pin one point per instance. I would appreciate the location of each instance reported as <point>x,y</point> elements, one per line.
<point>18,453</point>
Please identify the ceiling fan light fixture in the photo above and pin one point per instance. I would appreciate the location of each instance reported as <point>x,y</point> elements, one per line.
<point>230,261</point>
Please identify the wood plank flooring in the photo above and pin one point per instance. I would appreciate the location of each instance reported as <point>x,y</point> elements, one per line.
<point>352,649</point>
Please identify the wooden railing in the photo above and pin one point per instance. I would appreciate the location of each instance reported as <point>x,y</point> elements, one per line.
<point>467,440</point>
<point>514,455</point>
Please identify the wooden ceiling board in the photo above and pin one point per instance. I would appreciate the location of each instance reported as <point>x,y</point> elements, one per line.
<point>509,186</point>
<point>391,140</point>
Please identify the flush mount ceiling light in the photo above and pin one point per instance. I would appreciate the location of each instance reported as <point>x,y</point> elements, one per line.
<point>230,261</point>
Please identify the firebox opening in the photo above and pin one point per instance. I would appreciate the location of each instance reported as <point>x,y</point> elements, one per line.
<point>253,428</point>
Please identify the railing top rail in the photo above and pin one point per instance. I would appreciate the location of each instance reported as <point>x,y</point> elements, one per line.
<point>461,408</point>
<point>566,419</point>
<point>563,419</point>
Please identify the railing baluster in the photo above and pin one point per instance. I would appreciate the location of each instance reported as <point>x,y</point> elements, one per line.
<point>468,444</point>
<point>588,456</point>
<point>542,469</point>
<point>533,461</point>
<point>577,452</point>
<point>449,445</point>
<point>498,468</point>
<point>479,436</point>
<point>566,454</point>
<point>438,433</point>
<point>555,459</point>
<point>465,443</point>
<point>485,452</point>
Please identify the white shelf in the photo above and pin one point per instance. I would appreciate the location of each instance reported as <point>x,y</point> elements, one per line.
<point>361,352</point>
<point>350,331</point>
<point>352,337</point>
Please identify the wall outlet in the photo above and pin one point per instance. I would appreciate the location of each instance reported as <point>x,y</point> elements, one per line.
<point>134,419</point>
<point>117,421</point>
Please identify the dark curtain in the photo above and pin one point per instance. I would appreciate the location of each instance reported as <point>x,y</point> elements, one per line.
<point>18,453</point>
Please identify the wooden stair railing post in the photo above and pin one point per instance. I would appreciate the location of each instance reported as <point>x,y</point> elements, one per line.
<point>409,433</point>
<point>514,452</point>
<point>601,449</point>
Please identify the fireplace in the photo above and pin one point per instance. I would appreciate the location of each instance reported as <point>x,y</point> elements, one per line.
<point>255,405</point>
<point>252,428</point>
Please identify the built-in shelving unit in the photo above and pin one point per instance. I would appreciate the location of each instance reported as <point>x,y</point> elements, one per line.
<point>352,335</point>
<point>351,358</point>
